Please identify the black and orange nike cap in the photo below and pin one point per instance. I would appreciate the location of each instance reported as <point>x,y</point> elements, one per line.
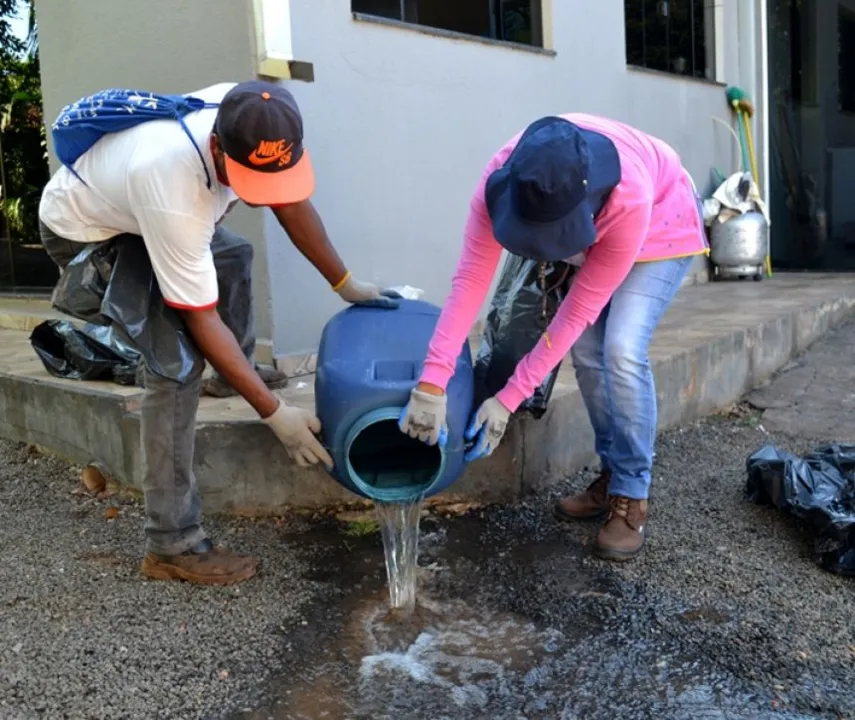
<point>261,132</point>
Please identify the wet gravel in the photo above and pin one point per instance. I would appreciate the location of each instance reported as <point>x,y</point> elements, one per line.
<point>725,614</point>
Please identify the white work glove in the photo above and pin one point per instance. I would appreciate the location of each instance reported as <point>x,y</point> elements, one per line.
<point>367,295</point>
<point>488,425</point>
<point>424,418</point>
<point>296,429</point>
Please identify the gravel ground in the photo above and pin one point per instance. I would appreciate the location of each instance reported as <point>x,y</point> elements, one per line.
<point>754,567</point>
<point>726,596</point>
<point>84,636</point>
<point>725,615</point>
<point>743,576</point>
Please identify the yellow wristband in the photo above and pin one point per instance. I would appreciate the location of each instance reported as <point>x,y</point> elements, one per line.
<point>547,340</point>
<point>341,283</point>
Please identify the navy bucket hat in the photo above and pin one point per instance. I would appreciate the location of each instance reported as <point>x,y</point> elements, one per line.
<point>544,199</point>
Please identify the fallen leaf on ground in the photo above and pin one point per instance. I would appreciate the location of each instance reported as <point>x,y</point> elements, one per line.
<point>132,492</point>
<point>93,479</point>
<point>111,513</point>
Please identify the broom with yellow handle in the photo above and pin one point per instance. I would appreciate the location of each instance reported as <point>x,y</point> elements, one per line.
<point>744,109</point>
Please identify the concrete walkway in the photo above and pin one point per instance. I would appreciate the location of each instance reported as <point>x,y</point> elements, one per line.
<point>815,394</point>
<point>717,342</point>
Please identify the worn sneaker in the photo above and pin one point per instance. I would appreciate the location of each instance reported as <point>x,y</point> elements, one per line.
<point>592,503</point>
<point>202,565</point>
<point>622,537</point>
<point>216,386</point>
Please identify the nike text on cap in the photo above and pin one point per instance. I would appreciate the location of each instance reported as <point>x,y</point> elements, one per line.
<point>261,132</point>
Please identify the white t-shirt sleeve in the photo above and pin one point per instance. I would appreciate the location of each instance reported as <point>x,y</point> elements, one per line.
<point>176,223</point>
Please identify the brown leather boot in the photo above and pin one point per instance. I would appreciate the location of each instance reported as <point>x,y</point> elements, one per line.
<point>217,387</point>
<point>592,503</point>
<point>202,565</point>
<point>622,537</point>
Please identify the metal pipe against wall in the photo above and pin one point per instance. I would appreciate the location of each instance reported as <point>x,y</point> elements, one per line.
<point>754,74</point>
<point>765,112</point>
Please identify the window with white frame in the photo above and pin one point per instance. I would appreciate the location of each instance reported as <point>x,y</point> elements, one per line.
<point>517,21</point>
<point>673,36</point>
<point>273,37</point>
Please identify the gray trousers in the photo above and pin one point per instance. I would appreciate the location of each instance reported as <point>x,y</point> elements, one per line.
<point>168,428</point>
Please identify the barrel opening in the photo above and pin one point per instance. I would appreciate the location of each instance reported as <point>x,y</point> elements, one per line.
<point>388,465</point>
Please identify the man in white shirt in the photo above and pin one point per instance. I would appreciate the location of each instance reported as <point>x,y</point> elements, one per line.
<point>153,195</point>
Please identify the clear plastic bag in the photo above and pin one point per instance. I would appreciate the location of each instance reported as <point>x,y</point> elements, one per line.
<point>526,299</point>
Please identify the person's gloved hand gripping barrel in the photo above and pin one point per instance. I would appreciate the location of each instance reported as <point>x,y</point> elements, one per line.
<point>424,418</point>
<point>296,428</point>
<point>365,294</point>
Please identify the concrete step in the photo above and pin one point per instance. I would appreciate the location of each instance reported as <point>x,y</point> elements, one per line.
<point>19,312</point>
<point>25,312</point>
<point>717,341</point>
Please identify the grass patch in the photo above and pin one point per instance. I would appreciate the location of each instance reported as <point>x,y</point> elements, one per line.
<point>361,527</point>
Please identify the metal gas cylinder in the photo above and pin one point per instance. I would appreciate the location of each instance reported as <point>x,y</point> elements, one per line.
<point>739,246</point>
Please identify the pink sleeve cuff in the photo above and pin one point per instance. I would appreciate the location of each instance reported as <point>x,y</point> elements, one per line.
<point>435,373</point>
<point>511,397</point>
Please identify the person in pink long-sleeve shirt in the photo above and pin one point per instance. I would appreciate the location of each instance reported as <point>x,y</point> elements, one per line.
<point>619,205</point>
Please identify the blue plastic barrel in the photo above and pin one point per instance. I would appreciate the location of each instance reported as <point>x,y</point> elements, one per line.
<point>368,361</point>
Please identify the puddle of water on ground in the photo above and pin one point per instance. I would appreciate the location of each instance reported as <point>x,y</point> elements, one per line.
<point>446,657</point>
<point>471,656</point>
<point>471,650</point>
<point>452,660</point>
<point>399,527</point>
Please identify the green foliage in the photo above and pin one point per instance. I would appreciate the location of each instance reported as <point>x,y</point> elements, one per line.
<point>23,146</point>
<point>9,44</point>
<point>362,527</point>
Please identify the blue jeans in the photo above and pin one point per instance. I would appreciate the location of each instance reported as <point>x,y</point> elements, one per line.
<point>614,375</point>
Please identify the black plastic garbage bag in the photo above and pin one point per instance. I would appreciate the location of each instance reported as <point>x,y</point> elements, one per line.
<point>526,299</point>
<point>82,284</point>
<point>113,284</point>
<point>91,353</point>
<point>818,489</point>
